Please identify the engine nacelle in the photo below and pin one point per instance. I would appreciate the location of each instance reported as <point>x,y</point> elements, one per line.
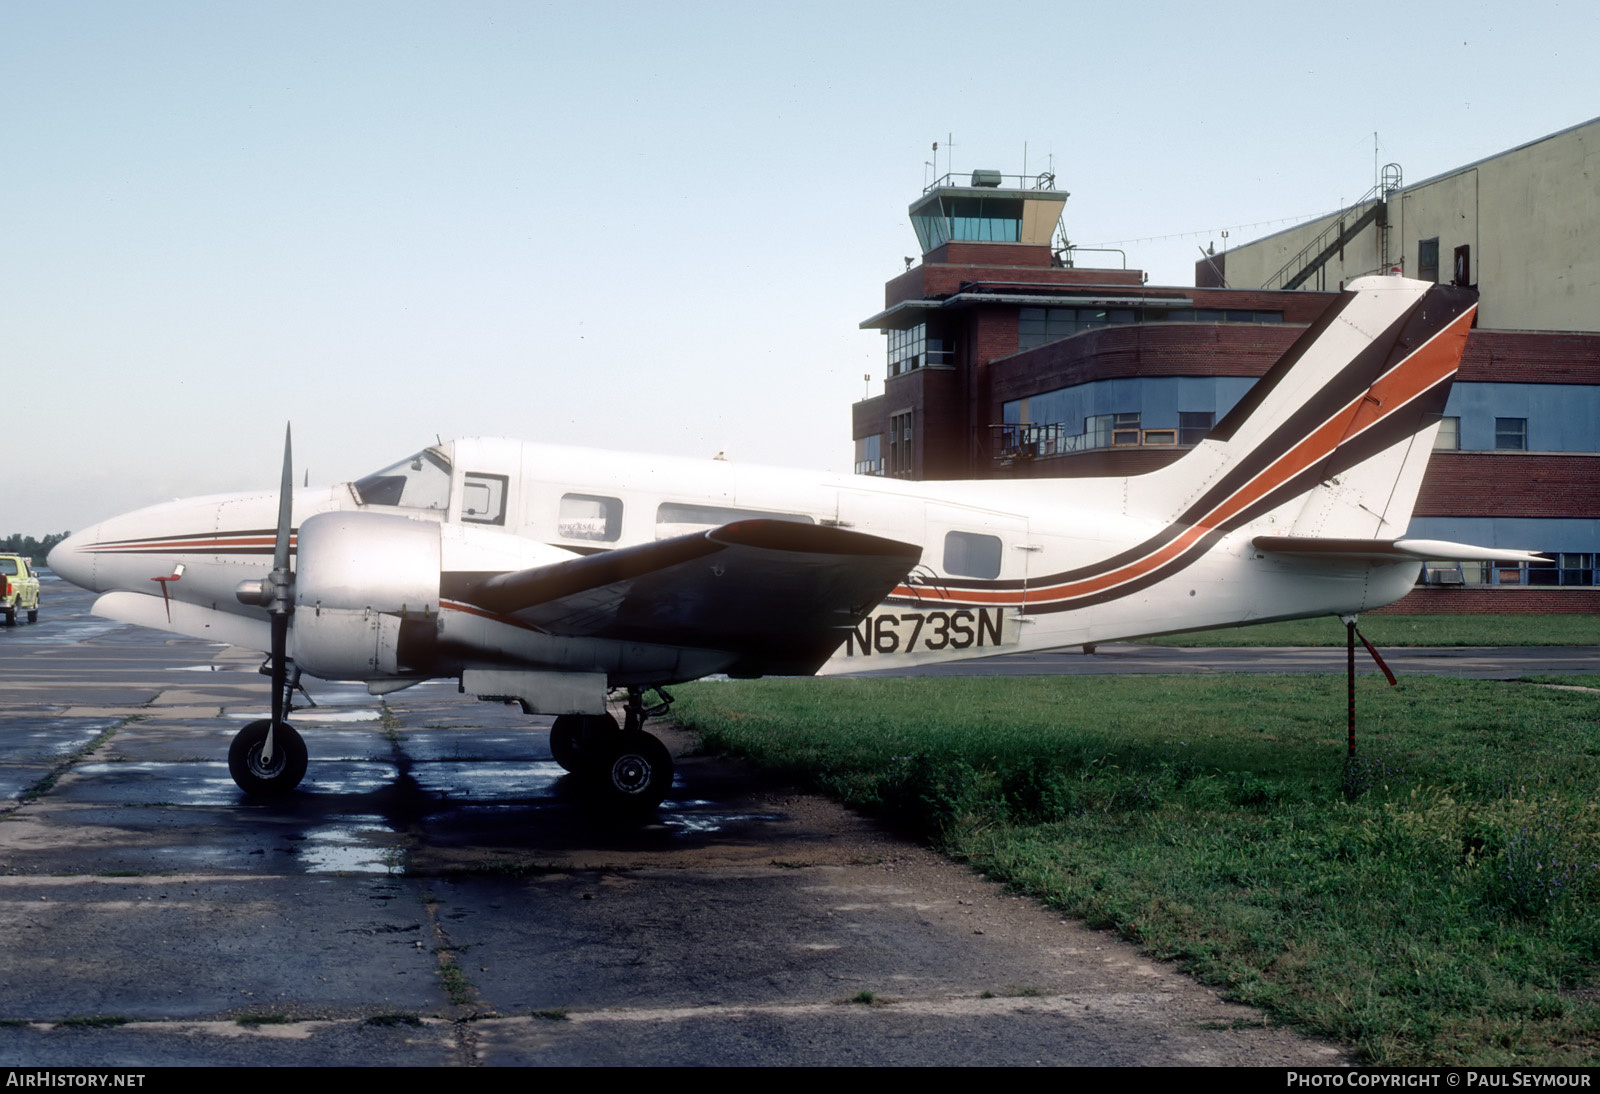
<point>366,598</point>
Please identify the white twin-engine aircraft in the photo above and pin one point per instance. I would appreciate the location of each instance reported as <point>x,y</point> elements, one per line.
<point>553,576</point>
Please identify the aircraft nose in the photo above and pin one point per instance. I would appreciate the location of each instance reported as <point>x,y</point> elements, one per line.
<point>72,560</point>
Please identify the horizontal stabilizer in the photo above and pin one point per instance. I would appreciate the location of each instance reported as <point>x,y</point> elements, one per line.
<point>779,594</point>
<point>1422,550</point>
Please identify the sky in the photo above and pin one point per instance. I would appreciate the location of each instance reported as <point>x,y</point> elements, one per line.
<point>642,226</point>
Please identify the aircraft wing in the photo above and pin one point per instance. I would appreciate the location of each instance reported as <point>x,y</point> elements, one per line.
<point>780,594</point>
<point>1421,550</point>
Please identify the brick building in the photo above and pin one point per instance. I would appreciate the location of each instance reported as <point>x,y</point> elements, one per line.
<point>1007,358</point>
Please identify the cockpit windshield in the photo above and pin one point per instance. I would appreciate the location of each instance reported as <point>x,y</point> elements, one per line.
<point>416,482</point>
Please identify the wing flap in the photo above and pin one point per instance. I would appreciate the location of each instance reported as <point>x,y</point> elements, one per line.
<point>778,595</point>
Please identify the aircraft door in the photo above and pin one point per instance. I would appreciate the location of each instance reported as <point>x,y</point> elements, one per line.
<point>483,498</point>
<point>971,546</point>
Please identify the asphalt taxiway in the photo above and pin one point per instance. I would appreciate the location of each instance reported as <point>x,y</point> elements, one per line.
<point>439,893</point>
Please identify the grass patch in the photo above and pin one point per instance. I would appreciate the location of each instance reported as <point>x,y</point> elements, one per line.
<point>456,984</point>
<point>1405,630</point>
<point>93,1021</point>
<point>48,782</point>
<point>393,1018</point>
<point>1435,902</point>
<point>252,1020</point>
<point>553,1014</point>
<point>1574,680</point>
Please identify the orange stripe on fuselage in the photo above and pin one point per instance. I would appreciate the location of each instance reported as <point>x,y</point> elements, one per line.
<point>147,546</point>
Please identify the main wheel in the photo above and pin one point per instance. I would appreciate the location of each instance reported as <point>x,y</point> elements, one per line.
<point>633,771</point>
<point>566,741</point>
<point>33,615</point>
<point>576,737</point>
<point>267,780</point>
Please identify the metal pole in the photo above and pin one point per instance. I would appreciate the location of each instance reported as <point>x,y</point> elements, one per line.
<point>1350,677</point>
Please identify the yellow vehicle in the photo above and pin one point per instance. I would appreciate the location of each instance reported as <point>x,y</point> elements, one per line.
<point>19,588</point>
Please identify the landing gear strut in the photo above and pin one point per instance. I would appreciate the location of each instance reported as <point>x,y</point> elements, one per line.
<point>269,765</point>
<point>268,758</point>
<point>629,768</point>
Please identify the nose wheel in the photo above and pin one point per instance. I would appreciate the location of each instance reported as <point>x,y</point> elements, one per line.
<point>260,773</point>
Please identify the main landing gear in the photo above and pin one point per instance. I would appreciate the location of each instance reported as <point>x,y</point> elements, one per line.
<point>628,768</point>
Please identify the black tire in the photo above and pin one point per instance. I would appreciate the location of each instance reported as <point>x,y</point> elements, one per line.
<point>633,772</point>
<point>288,762</point>
<point>566,741</point>
<point>33,614</point>
<point>575,737</point>
<point>11,617</point>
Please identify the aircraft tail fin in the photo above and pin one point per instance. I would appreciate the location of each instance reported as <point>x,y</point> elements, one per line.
<point>1332,442</point>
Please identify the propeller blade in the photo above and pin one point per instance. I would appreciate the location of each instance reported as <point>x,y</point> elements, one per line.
<point>282,598</point>
<point>280,546</point>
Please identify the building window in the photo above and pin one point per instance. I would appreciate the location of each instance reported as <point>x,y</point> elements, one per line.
<point>1106,430</point>
<point>1577,569</point>
<point>1193,425</point>
<point>906,348</point>
<point>1462,274</point>
<point>869,455</point>
<point>1448,439</point>
<point>1125,429</point>
<point>1511,434</point>
<point>1428,259</point>
<point>1036,326</point>
<point>900,446</point>
<point>912,349</point>
<point>968,554</point>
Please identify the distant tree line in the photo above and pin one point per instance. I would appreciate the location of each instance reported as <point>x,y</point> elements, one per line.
<point>29,547</point>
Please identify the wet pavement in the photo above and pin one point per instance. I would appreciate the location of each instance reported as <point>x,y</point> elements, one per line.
<point>439,892</point>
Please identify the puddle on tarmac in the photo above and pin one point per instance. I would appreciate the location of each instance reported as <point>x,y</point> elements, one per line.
<point>699,824</point>
<point>488,781</point>
<point>351,845</point>
<point>304,715</point>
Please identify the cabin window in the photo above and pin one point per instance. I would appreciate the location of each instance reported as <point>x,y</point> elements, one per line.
<point>675,518</point>
<point>590,517</point>
<point>483,498</point>
<point>416,482</point>
<point>968,554</point>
